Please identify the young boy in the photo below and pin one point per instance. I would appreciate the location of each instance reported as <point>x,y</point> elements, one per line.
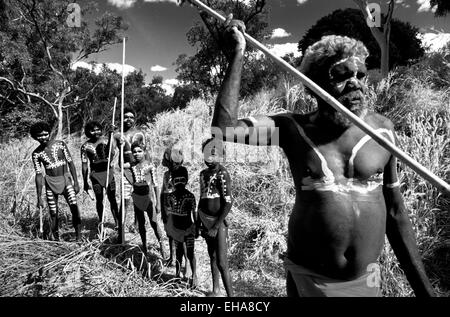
<point>181,221</point>
<point>60,176</point>
<point>145,193</point>
<point>215,203</point>
<point>173,160</point>
<point>95,151</point>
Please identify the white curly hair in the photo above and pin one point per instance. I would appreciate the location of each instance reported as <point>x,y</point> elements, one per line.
<point>331,48</point>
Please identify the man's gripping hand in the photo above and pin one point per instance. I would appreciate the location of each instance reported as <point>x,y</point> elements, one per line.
<point>233,35</point>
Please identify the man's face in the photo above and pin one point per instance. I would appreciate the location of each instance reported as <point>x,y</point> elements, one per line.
<point>347,79</point>
<point>96,132</point>
<point>43,137</point>
<point>128,119</point>
<point>138,153</point>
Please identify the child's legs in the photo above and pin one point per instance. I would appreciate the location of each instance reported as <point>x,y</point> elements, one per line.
<point>179,256</point>
<point>52,202</point>
<point>156,229</point>
<point>111,193</point>
<point>139,215</point>
<point>222,258</point>
<point>98,190</point>
<point>71,198</point>
<point>153,223</point>
<point>212,251</point>
<point>190,254</point>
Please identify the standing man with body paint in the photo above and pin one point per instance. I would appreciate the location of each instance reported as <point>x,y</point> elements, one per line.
<point>94,155</point>
<point>347,188</point>
<point>60,177</point>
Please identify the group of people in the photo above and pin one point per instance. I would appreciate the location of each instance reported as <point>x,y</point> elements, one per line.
<point>347,188</point>
<point>183,220</point>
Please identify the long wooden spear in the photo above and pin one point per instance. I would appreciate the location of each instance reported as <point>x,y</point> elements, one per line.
<point>418,168</point>
<point>122,231</point>
<point>107,174</point>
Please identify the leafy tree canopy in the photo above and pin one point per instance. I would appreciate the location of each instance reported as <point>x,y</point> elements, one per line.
<point>443,7</point>
<point>404,44</point>
<point>207,67</point>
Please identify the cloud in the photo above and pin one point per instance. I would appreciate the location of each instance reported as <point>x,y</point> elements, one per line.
<point>169,85</point>
<point>425,6</point>
<point>172,81</point>
<point>300,2</point>
<point>122,4</point>
<point>97,68</point>
<point>279,33</point>
<point>158,68</point>
<point>284,49</point>
<point>173,1</point>
<point>433,42</point>
<point>402,3</point>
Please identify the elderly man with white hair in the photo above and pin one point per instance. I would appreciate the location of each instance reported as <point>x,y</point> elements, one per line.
<point>347,188</point>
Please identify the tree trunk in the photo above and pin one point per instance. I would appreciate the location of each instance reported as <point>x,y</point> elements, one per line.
<point>60,112</point>
<point>384,63</point>
<point>382,37</point>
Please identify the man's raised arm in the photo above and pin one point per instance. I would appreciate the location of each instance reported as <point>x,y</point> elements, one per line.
<point>225,125</point>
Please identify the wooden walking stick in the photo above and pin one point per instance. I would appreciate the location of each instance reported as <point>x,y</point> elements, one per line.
<point>107,174</point>
<point>41,226</point>
<point>389,146</point>
<point>122,100</point>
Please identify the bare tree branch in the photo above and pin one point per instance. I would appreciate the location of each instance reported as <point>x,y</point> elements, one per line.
<point>28,94</point>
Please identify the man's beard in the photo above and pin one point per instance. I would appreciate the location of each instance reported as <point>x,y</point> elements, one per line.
<point>354,101</point>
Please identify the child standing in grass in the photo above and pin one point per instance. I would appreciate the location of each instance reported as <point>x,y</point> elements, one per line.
<point>181,219</point>
<point>173,160</point>
<point>144,195</point>
<point>214,205</point>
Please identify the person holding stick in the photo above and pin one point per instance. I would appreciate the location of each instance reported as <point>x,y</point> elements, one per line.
<point>60,177</point>
<point>131,134</point>
<point>95,151</point>
<point>347,189</point>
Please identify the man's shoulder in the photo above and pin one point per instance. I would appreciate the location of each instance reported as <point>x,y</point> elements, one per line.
<point>379,121</point>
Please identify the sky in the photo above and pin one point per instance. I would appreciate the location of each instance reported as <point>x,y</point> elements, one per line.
<point>156,35</point>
